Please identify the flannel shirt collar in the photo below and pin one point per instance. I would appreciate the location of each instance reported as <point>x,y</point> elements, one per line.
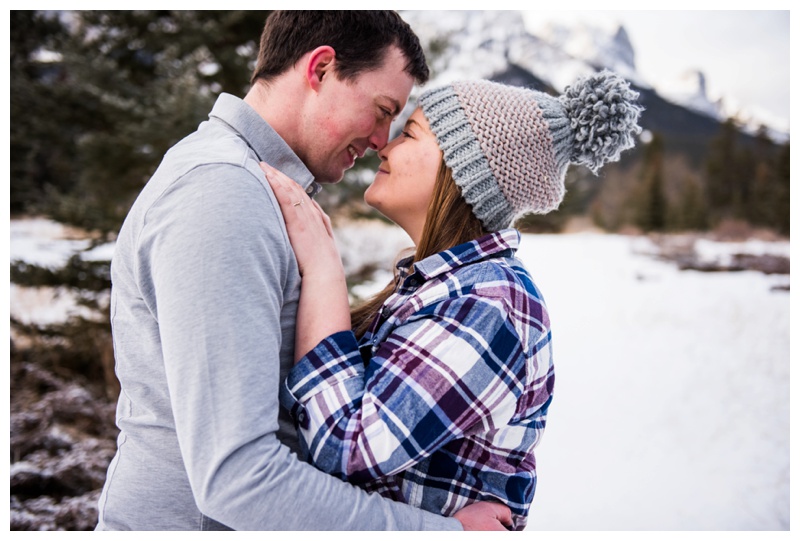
<point>498,244</point>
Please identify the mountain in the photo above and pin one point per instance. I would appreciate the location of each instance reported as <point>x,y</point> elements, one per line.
<point>497,45</point>
<point>690,90</point>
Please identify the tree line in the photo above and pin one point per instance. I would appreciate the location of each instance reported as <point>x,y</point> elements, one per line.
<point>743,182</point>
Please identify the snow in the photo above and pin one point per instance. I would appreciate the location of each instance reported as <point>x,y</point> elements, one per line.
<point>43,242</point>
<point>46,243</point>
<point>45,305</point>
<point>596,45</point>
<point>671,406</point>
<point>690,91</point>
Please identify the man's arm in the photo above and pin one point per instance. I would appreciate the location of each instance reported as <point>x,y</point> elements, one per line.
<point>217,256</point>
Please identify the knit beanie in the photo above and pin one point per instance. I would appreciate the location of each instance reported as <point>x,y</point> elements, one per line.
<point>509,147</point>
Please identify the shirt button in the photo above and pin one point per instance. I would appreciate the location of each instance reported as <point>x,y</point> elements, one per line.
<point>302,419</point>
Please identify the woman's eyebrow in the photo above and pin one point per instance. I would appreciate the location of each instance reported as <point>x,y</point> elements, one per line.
<point>412,121</point>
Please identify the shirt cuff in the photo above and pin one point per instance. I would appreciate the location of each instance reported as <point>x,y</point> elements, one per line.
<point>333,361</point>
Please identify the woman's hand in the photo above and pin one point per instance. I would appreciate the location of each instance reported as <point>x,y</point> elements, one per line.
<point>324,307</point>
<point>308,226</point>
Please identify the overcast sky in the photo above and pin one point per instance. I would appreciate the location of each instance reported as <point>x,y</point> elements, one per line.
<point>743,54</point>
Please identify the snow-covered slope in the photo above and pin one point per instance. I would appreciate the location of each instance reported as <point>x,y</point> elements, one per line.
<point>690,90</point>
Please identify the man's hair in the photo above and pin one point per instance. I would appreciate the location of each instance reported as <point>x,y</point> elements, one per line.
<point>360,39</point>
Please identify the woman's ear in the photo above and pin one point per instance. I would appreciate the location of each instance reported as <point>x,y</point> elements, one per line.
<point>320,63</point>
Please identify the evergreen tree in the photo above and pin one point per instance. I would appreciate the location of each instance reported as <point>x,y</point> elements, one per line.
<point>691,211</point>
<point>127,86</point>
<point>721,171</point>
<point>650,203</point>
<point>780,181</point>
<point>45,118</point>
<point>742,184</point>
<point>768,204</point>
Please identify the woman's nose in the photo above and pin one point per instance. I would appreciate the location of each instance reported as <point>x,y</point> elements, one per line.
<point>383,153</point>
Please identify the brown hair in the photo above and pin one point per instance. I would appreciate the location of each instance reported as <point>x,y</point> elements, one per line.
<point>449,222</point>
<point>360,39</point>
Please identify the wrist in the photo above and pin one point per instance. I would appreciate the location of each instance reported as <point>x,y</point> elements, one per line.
<point>333,274</point>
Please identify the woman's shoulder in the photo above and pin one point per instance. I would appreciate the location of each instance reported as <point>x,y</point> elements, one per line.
<point>497,276</point>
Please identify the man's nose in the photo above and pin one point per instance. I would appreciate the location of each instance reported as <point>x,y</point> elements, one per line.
<point>379,137</point>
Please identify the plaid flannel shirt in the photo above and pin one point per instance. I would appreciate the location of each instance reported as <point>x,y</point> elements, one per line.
<point>442,401</point>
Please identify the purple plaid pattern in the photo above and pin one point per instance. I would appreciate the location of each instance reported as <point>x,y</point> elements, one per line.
<point>455,391</point>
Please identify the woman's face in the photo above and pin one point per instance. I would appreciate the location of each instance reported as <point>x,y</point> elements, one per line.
<point>403,185</point>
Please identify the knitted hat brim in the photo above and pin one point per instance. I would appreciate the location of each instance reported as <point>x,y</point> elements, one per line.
<point>463,155</point>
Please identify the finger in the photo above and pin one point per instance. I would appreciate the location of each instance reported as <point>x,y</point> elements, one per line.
<point>325,218</point>
<point>272,174</point>
<point>504,515</point>
<point>289,194</point>
<point>281,177</point>
<point>279,187</point>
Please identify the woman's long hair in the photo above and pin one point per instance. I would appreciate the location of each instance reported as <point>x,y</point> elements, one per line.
<point>449,222</point>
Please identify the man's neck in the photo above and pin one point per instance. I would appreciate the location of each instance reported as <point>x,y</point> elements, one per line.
<point>277,104</point>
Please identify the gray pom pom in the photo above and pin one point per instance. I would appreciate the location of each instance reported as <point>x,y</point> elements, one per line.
<point>603,116</point>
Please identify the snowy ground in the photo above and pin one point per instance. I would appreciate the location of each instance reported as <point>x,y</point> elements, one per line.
<point>48,244</point>
<point>671,408</point>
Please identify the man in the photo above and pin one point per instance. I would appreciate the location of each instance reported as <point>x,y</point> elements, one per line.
<point>205,290</point>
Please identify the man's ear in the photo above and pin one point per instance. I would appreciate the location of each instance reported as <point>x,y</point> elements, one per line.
<point>319,65</point>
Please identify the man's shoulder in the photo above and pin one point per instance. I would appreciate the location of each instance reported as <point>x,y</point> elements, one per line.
<point>211,144</point>
<point>214,155</point>
<point>212,166</point>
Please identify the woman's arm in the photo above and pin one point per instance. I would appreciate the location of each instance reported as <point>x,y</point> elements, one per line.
<point>452,367</point>
<point>323,308</point>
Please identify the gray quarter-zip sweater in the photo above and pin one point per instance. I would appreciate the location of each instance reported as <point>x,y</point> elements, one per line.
<point>203,305</point>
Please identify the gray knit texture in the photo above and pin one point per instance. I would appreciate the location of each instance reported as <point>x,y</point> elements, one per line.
<point>509,147</point>
<point>603,116</point>
<point>464,156</point>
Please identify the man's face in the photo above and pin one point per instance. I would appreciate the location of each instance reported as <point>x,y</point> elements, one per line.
<point>347,118</point>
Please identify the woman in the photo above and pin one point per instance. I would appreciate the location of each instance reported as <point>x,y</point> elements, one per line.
<point>436,391</point>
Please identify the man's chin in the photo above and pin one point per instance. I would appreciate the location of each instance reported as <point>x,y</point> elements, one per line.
<point>329,178</point>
